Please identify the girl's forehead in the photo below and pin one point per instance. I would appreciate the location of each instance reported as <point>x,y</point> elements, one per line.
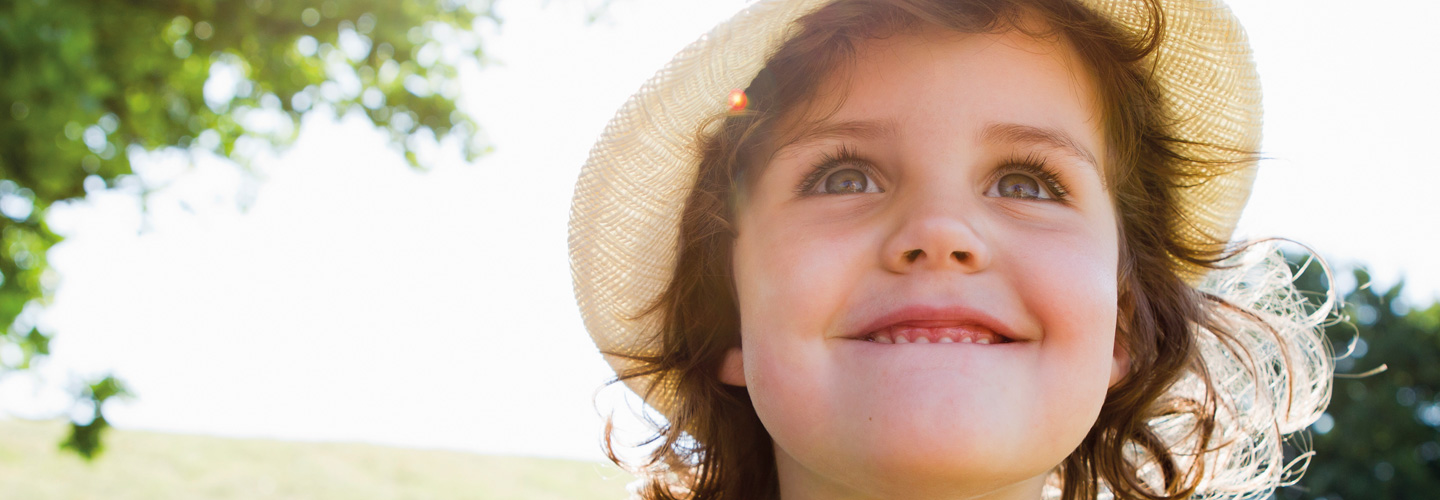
<point>1005,86</point>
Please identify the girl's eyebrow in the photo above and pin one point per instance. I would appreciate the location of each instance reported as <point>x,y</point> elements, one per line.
<point>1049,137</point>
<point>855,129</point>
<point>994,132</point>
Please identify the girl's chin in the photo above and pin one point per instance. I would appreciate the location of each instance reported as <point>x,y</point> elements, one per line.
<point>1005,412</point>
<point>970,419</point>
<point>931,432</point>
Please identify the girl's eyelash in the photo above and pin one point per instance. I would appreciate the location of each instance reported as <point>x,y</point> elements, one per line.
<point>1037,166</point>
<point>828,162</point>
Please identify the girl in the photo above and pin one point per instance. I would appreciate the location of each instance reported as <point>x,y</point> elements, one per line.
<point>948,249</point>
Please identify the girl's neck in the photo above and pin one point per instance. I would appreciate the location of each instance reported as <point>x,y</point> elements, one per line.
<point>800,483</point>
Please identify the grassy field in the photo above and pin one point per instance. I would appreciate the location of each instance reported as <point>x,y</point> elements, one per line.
<point>155,466</point>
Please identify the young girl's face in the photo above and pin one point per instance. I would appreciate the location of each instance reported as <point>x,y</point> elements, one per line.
<point>936,314</point>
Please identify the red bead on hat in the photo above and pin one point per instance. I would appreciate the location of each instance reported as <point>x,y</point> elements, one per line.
<point>737,100</point>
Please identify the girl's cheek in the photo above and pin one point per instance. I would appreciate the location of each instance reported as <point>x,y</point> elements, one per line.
<point>804,244</point>
<point>794,278</point>
<point>1070,285</point>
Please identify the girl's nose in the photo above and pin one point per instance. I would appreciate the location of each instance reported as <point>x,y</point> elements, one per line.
<point>938,237</point>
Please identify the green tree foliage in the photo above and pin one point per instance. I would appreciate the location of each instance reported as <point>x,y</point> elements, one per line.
<point>1380,437</point>
<point>89,84</point>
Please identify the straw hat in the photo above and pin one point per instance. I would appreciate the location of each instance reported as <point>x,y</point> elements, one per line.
<point>625,216</point>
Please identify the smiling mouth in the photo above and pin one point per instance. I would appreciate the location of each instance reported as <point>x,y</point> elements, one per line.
<point>901,334</point>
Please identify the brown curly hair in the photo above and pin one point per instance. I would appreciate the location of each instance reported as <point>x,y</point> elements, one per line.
<point>713,445</point>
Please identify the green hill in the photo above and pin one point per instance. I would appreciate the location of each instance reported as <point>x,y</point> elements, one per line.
<point>155,466</point>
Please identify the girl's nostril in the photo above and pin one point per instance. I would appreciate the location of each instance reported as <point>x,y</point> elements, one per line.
<point>961,256</point>
<point>913,254</point>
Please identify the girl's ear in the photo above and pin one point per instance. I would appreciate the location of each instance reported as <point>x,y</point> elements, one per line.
<point>1124,322</point>
<point>1119,365</point>
<point>1120,357</point>
<point>732,368</point>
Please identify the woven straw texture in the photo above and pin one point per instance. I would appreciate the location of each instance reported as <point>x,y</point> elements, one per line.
<point>624,220</point>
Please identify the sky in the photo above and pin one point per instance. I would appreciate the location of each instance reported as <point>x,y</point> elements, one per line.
<point>357,299</point>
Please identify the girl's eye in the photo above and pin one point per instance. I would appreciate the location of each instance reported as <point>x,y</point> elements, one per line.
<point>840,172</point>
<point>846,181</point>
<point>1023,186</point>
<point>1029,178</point>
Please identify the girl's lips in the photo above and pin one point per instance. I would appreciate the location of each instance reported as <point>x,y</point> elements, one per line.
<point>920,324</point>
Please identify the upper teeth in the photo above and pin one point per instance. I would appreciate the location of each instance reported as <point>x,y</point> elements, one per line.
<point>944,335</point>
